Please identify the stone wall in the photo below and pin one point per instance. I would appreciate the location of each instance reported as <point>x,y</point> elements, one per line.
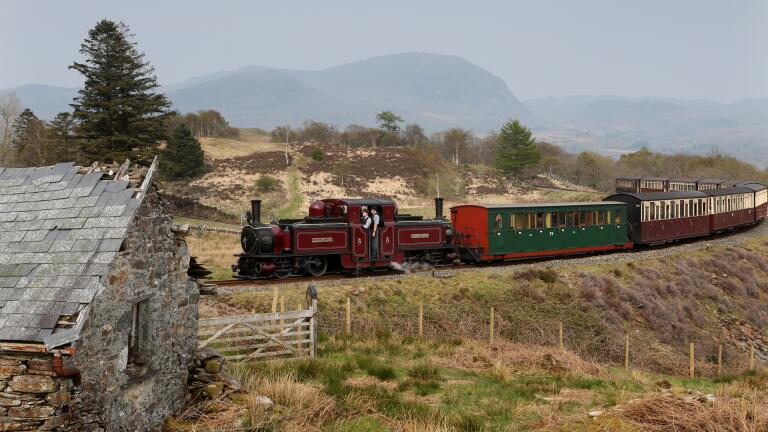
<point>115,394</point>
<point>32,397</point>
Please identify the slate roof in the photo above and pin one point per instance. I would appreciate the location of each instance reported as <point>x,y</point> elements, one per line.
<point>59,233</point>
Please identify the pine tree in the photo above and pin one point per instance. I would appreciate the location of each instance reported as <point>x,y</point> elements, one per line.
<point>119,113</point>
<point>515,148</point>
<point>183,156</point>
<point>62,135</point>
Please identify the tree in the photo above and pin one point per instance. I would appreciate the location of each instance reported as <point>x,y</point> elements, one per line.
<point>515,148</point>
<point>10,107</point>
<point>119,113</point>
<point>62,133</point>
<point>413,136</point>
<point>30,143</point>
<point>456,142</point>
<point>183,157</point>
<point>389,121</point>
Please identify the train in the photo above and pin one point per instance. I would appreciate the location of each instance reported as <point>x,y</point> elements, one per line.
<point>332,238</point>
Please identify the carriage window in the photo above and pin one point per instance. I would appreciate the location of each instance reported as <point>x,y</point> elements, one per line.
<point>601,217</point>
<point>552,220</point>
<point>608,214</point>
<point>498,221</point>
<point>653,212</point>
<point>539,220</point>
<point>618,217</point>
<point>561,219</point>
<point>672,212</point>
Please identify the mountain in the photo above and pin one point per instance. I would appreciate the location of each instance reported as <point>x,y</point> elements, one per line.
<point>46,101</point>
<point>435,91</point>
<point>615,124</point>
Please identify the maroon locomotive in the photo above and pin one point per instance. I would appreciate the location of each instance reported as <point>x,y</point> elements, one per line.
<point>332,238</point>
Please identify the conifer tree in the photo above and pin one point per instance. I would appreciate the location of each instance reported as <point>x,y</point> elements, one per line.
<point>30,141</point>
<point>120,114</point>
<point>62,135</point>
<point>183,156</point>
<point>515,148</point>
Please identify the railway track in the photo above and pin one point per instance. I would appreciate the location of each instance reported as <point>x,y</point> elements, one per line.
<point>234,285</point>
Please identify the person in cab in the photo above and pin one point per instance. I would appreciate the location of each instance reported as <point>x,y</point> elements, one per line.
<point>374,233</point>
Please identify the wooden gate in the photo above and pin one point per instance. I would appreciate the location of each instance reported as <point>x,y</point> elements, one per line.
<point>260,336</point>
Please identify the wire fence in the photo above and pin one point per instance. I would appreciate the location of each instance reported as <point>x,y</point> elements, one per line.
<point>636,349</point>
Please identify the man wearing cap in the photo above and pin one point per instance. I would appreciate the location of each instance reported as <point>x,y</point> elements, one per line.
<point>366,220</point>
<point>375,238</point>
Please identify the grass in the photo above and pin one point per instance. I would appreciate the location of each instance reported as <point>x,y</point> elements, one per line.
<point>459,387</point>
<point>215,251</point>
<point>248,143</point>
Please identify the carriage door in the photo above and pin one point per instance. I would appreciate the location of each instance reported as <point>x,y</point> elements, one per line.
<point>359,242</point>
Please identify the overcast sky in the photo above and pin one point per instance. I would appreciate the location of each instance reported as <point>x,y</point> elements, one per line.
<point>682,48</point>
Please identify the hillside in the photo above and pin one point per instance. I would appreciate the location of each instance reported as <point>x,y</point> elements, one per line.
<point>409,176</point>
<point>385,377</point>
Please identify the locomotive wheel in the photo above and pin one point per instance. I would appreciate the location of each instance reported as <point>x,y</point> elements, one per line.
<point>284,268</point>
<point>316,266</point>
<point>283,273</point>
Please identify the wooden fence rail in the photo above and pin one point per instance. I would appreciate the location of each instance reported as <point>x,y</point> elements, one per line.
<point>259,336</point>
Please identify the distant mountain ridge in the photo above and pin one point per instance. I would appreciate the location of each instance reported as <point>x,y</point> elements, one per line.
<point>444,91</point>
<point>435,91</point>
<point>614,124</point>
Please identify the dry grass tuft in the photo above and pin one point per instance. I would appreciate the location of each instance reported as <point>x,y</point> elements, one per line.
<point>505,358</point>
<point>687,414</point>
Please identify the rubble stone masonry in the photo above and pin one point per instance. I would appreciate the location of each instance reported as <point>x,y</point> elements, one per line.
<point>146,301</point>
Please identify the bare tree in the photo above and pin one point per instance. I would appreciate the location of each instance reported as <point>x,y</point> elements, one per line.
<point>10,107</point>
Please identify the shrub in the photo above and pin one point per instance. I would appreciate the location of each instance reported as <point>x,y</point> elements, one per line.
<point>266,183</point>
<point>317,154</point>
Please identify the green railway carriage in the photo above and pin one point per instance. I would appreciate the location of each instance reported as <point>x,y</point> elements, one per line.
<point>509,231</point>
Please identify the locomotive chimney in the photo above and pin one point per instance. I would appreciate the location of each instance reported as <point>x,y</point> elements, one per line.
<point>438,208</point>
<point>255,212</point>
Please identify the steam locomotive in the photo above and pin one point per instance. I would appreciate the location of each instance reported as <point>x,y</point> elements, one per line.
<point>332,239</point>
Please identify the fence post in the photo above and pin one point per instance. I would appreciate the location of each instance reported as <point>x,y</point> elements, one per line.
<point>421,319</point>
<point>313,329</point>
<point>562,342</point>
<point>274,299</point>
<point>691,361</point>
<point>490,339</point>
<point>719,359</point>
<point>282,310</point>
<point>626,352</point>
<point>348,317</point>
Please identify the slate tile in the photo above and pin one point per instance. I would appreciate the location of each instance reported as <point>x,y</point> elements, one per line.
<point>109,222</point>
<point>84,245</point>
<point>110,245</point>
<point>12,236</point>
<point>16,269</point>
<point>72,257</point>
<point>11,294</point>
<point>86,185</point>
<point>8,282</point>
<point>35,235</point>
<point>69,308</point>
<point>62,245</point>
<point>46,321</point>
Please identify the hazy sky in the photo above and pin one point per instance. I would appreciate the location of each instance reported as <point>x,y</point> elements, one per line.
<point>670,48</point>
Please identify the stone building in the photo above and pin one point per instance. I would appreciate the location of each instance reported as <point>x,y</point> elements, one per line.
<point>98,316</point>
